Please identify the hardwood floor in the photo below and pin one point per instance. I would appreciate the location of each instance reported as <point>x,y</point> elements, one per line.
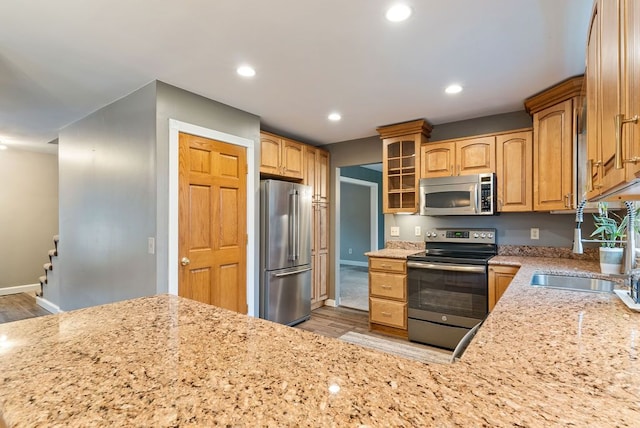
<point>334,322</point>
<point>16,307</point>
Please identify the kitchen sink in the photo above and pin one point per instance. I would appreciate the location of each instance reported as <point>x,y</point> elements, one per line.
<point>574,283</point>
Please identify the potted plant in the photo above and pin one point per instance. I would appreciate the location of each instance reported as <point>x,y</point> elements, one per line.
<point>612,229</point>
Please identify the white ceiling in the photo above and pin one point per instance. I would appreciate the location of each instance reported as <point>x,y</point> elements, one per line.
<point>61,60</point>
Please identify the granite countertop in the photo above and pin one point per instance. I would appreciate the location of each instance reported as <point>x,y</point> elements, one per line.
<point>542,358</point>
<point>392,253</point>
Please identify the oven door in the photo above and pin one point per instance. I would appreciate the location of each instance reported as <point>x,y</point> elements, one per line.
<point>449,199</point>
<point>447,293</point>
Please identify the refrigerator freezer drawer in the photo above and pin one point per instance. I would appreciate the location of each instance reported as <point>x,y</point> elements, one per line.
<point>286,295</point>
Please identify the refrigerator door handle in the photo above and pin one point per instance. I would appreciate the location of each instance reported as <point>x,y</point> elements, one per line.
<point>291,241</point>
<point>280,275</point>
<point>296,237</point>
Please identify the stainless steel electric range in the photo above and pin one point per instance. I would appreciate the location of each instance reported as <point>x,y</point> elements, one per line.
<point>448,285</point>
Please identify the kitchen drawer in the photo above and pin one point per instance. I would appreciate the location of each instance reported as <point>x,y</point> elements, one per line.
<point>388,285</point>
<point>388,312</point>
<point>390,265</point>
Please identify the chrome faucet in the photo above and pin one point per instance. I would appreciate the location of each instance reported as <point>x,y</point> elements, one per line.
<point>630,249</point>
<point>577,232</point>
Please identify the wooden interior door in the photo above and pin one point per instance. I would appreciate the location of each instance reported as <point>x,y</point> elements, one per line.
<point>212,222</point>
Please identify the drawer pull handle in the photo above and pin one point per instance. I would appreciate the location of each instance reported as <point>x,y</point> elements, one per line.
<point>386,314</point>
<point>386,266</point>
<point>386,287</point>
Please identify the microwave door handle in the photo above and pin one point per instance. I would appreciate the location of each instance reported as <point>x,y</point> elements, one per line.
<point>474,199</point>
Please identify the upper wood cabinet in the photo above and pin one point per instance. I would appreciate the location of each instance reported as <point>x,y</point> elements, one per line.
<point>280,157</point>
<point>553,148</point>
<point>613,106</point>
<point>401,165</point>
<point>514,169</point>
<point>316,172</point>
<point>555,138</point>
<point>474,155</point>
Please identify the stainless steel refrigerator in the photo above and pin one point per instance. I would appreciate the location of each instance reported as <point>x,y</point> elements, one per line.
<point>285,251</point>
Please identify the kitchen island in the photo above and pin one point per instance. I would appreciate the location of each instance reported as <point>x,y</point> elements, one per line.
<point>543,357</point>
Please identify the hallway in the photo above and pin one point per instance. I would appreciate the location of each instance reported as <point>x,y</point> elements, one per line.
<point>354,287</point>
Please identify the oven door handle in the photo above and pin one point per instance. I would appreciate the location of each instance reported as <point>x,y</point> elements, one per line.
<point>447,267</point>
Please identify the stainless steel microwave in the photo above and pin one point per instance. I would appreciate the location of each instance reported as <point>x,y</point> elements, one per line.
<point>459,195</point>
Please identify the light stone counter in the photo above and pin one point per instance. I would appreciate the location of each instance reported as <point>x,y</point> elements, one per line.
<point>391,253</point>
<point>543,358</point>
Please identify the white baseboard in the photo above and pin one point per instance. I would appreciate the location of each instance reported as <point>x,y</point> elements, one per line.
<point>354,263</point>
<point>44,303</point>
<point>331,302</point>
<point>28,288</point>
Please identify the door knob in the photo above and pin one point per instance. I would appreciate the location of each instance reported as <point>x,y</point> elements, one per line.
<point>185,261</point>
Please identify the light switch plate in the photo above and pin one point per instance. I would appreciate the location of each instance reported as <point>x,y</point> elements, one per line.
<point>535,233</point>
<point>151,245</point>
<point>418,231</point>
<point>395,231</point>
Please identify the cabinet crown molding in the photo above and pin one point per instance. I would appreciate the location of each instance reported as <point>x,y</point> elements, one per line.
<point>420,126</point>
<point>567,89</point>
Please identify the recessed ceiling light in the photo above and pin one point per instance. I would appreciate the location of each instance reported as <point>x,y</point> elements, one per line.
<point>3,147</point>
<point>334,117</point>
<point>453,89</point>
<point>398,13</point>
<point>246,71</point>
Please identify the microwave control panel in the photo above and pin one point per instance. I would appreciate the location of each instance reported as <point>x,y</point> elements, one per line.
<point>486,195</point>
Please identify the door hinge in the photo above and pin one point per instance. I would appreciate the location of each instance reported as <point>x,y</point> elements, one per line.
<point>246,239</point>
<point>246,169</point>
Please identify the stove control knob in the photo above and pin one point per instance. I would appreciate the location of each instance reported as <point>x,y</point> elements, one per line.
<point>484,235</point>
<point>490,235</point>
<point>475,235</point>
<point>428,234</point>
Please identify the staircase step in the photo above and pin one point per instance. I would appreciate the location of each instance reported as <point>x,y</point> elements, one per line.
<point>43,280</point>
<point>47,266</point>
<point>53,253</point>
<point>56,238</point>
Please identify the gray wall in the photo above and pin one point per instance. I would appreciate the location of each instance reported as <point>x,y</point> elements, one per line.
<point>114,191</point>
<point>175,103</point>
<point>108,203</point>
<point>29,214</point>
<point>347,153</point>
<point>373,176</point>
<point>482,125</point>
<point>355,222</point>
<point>556,230</point>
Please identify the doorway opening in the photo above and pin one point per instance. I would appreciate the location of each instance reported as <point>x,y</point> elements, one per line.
<point>360,227</point>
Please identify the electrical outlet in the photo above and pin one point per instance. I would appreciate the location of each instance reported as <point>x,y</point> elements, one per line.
<point>350,250</point>
<point>418,231</point>
<point>535,233</point>
<point>395,231</point>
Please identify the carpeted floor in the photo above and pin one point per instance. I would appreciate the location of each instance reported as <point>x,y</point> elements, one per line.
<point>354,287</point>
<point>402,349</point>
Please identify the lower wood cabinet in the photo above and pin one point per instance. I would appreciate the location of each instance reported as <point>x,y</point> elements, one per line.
<point>388,295</point>
<point>500,277</point>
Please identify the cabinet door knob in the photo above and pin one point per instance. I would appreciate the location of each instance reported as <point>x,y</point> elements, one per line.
<point>185,261</point>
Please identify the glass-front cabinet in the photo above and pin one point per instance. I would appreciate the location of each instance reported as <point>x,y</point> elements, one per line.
<point>401,164</point>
